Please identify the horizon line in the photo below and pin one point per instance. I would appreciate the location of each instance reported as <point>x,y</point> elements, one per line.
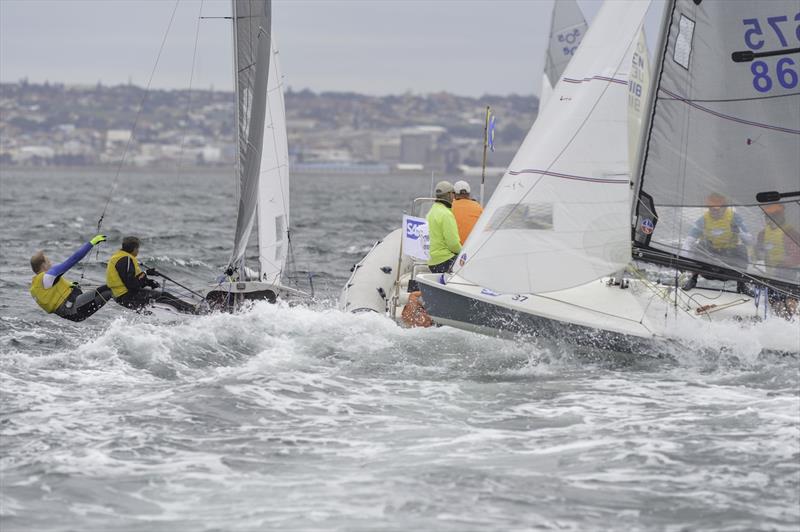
<point>289,89</point>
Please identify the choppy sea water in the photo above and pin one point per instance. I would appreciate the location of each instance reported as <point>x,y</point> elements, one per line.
<point>305,418</point>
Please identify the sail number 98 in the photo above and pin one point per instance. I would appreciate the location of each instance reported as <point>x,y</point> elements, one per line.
<point>762,79</point>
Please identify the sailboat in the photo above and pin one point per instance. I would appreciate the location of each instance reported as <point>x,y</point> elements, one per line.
<point>573,244</point>
<point>567,28</point>
<point>262,163</point>
<point>380,281</point>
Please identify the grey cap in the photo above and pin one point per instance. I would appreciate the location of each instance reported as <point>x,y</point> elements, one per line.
<point>443,188</point>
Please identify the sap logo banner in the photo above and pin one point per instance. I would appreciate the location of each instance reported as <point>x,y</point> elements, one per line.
<point>416,243</point>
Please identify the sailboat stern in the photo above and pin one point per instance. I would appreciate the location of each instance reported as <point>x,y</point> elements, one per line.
<point>230,296</point>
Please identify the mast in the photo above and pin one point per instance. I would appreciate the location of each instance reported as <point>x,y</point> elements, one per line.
<point>236,165</point>
<point>641,158</point>
<point>485,145</point>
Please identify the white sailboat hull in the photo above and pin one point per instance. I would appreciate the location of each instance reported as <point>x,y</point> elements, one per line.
<point>231,294</point>
<point>602,316</point>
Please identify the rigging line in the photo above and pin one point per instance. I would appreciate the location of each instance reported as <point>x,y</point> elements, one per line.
<point>189,94</point>
<point>733,100</point>
<point>690,102</point>
<point>703,206</point>
<point>680,182</point>
<point>558,156</point>
<point>743,273</point>
<point>138,115</point>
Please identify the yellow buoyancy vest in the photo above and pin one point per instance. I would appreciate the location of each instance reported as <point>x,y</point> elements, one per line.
<point>718,232</point>
<point>50,298</point>
<point>113,280</point>
<point>774,245</point>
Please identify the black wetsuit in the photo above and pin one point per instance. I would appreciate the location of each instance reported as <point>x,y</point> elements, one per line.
<point>141,291</point>
<point>80,305</point>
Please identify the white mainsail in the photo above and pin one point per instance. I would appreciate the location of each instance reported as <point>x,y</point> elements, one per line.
<point>273,185</point>
<point>251,50</point>
<point>560,217</point>
<point>567,28</point>
<point>725,122</point>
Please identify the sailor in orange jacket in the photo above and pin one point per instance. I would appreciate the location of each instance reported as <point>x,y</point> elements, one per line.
<point>465,209</point>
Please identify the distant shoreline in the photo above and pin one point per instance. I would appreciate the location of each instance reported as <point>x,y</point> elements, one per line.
<point>6,170</point>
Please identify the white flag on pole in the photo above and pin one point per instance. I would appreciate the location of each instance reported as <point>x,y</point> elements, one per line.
<point>415,237</point>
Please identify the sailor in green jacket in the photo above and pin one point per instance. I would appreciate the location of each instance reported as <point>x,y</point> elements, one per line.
<point>445,244</point>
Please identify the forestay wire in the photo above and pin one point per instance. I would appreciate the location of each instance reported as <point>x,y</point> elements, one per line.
<point>136,119</point>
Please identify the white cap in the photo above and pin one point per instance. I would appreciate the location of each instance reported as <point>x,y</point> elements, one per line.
<point>461,187</point>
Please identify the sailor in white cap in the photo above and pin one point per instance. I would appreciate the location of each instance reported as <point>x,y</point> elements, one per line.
<point>465,209</point>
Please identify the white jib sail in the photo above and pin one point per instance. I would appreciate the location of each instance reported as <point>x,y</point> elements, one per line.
<point>567,28</point>
<point>560,217</point>
<point>273,185</point>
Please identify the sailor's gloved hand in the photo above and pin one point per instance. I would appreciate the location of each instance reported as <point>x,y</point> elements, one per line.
<point>97,239</point>
<point>152,284</point>
<point>151,272</point>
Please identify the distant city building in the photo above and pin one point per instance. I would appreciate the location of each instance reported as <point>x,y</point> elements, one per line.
<point>54,124</point>
<point>414,148</point>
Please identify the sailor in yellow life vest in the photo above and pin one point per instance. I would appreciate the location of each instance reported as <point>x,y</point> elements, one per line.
<point>778,245</point>
<point>465,209</point>
<point>131,287</point>
<point>445,244</point>
<point>58,296</point>
<point>720,233</point>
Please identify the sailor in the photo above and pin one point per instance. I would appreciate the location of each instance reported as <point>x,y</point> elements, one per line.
<point>719,233</point>
<point>445,244</point>
<point>778,245</point>
<point>131,287</point>
<point>465,209</point>
<point>56,295</point>
<point>414,313</point>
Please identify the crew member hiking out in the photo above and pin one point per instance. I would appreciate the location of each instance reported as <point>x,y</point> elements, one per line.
<point>131,287</point>
<point>445,244</point>
<point>465,209</point>
<point>56,295</point>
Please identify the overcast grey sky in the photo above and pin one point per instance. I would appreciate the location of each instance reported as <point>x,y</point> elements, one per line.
<point>469,47</point>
